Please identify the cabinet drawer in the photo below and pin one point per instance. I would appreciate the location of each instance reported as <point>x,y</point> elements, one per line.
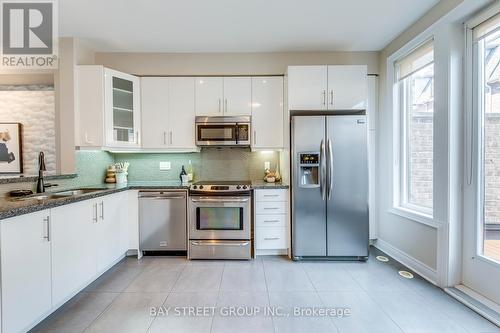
<point>264,207</point>
<point>274,220</point>
<point>271,238</point>
<point>270,195</point>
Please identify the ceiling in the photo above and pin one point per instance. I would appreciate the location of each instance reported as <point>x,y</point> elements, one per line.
<point>237,25</point>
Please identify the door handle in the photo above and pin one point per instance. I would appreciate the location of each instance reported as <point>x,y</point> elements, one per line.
<point>331,97</point>
<point>164,138</point>
<point>47,228</point>
<point>323,94</point>
<point>219,104</point>
<point>209,243</point>
<point>322,175</point>
<point>171,137</point>
<point>330,169</point>
<point>102,210</point>
<point>225,105</point>
<point>219,200</point>
<point>95,213</point>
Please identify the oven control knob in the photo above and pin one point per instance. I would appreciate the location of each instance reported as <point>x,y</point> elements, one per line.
<point>195,187</point>
<point>238,187</point>
<point>245,187</point>
<point>201,187</point>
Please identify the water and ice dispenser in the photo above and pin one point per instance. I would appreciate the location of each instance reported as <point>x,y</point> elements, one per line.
<point>308,169</point>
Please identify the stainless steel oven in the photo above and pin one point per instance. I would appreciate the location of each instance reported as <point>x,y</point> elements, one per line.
<point>223,131</point>
<point>220,222</point>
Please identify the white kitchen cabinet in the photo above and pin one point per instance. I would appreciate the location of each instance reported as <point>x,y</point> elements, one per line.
<point>168,113</point>
<point>111,216</point>
<point>107,108</point>
<point>25,271</point>
<point>154,112</point>
<point>181,111</point>
<point>347,87</point>
<point>271,221</point>
<point>209,96</point>
<point>237,96</point>
<point>73,249</point>
<point>122,119</point>
<point>334,87</point>
<point>307,87</point>
<point>223,96</point>
<point>267,112</point>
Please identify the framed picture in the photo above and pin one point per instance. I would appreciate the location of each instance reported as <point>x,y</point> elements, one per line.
<point>11,154</point>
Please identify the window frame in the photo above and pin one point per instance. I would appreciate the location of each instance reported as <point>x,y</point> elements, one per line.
<point>401,180</point>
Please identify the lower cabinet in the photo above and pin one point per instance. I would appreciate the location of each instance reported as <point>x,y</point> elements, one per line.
<point>26,270</point>
<point>73,249</point>
<point>49,256</point>
<point>271,221</point>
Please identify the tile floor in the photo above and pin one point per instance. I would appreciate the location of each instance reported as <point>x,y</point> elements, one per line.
<point>378,298</point>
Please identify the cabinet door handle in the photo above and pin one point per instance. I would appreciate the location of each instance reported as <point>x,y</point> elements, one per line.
<point>164,138</point>
<point>171,137</point>
<point>95,213</point>
<point>270,208</point>
<point>324,97</point>
<point>271,195</point>
<point>271,221</point>
<point>102,210</point>
<point>271,238</point>
<point>47,228</point>
<point>218,101</point>
<point>254,137</point>
<point>225,105</point>
<point>331,97</point>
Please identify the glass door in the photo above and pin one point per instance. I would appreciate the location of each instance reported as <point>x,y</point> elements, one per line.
<point>122,109</point>
<point>482,191</point>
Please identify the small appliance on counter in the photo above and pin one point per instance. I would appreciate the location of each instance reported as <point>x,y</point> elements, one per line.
<point>220,220</point>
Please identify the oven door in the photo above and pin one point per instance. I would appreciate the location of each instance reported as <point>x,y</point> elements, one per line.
<point>219,217</point>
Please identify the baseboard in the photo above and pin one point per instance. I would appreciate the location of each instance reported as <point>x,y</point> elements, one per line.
<point>416,265</point>
<point>476,302</point>
<point>283,252</point>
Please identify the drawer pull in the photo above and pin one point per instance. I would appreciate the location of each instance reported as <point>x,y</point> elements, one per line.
<point>271,238</point>
<point>270,208</point>
<point>271,195</point>
<point>271,221</point>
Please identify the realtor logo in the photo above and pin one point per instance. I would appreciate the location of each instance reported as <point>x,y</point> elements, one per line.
<point>28,34</point>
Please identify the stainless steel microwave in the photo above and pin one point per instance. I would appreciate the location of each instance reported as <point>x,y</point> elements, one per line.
<point>223,131</point>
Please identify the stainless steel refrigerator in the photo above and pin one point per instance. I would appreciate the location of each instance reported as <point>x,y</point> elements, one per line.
<point>329,187</point>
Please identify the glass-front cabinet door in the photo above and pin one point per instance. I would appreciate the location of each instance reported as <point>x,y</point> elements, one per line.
<point>122,115</point>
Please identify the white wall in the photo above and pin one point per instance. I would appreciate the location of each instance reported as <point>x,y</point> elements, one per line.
<point>426,247</point>
<point>229,63</point>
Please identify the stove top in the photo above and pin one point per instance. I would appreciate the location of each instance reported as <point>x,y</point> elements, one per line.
<point>214,186</point>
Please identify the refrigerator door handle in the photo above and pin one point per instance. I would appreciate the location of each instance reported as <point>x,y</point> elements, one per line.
<point>322,175</point>
<point>330,168</point>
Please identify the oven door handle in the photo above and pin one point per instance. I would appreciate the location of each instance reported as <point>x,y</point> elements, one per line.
<point>209,243</point>
<point>220,200</point>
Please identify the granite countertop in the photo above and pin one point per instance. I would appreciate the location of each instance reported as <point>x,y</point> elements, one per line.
<point>10,207</point>
<point>260,184</point>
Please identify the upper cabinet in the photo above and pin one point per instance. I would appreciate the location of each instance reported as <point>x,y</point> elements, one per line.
<point>107,108</point>
<point>267,112</point>
<point>223,96</point>
<point>327,87</point>
<point>122,109</point>
<point>168,113</point>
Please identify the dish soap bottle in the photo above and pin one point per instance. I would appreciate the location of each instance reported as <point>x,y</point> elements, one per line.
<point>183,173</point>
<point>190,171</point>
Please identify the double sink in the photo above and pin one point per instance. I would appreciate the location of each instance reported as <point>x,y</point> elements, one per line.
<point>62,194</point>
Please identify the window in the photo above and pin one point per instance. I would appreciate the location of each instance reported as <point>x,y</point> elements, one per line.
<point>414,84</point>
<point>486,48</point>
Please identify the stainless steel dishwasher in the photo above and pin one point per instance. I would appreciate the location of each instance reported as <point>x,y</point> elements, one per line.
<point>163,221</point>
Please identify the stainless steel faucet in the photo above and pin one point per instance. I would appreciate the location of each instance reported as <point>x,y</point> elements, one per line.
<point>40,184</point>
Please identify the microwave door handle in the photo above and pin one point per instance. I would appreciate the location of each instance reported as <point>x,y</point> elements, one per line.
<point>237,133</point>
